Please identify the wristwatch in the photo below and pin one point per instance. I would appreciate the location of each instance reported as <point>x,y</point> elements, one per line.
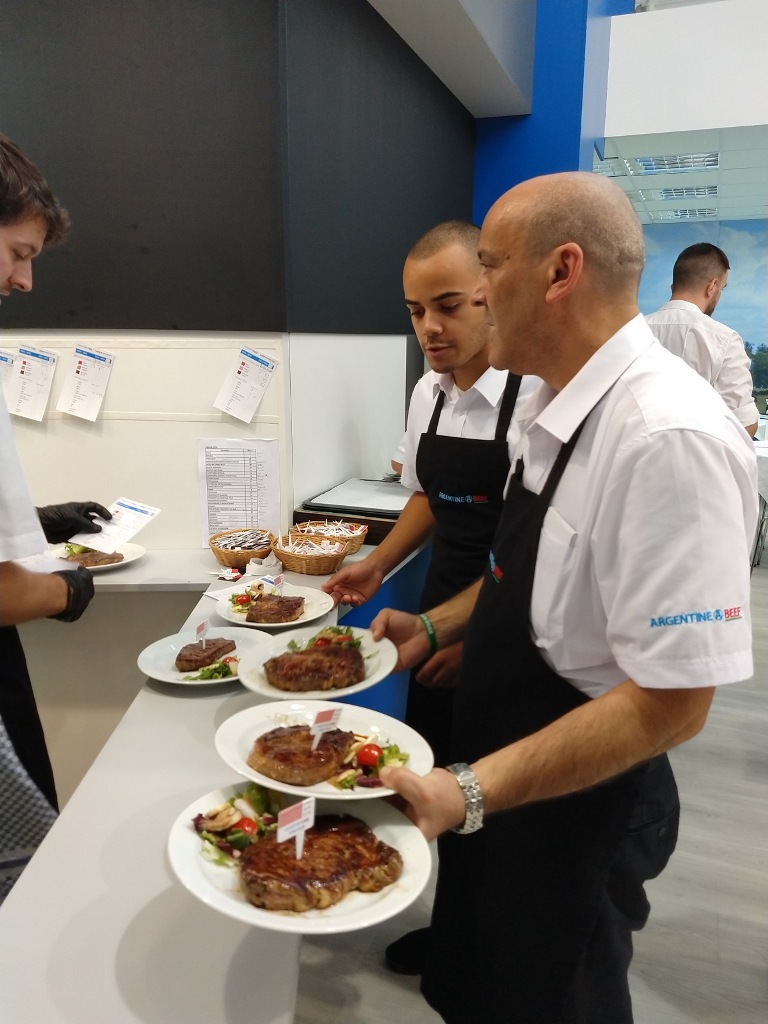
<point>473,798</point>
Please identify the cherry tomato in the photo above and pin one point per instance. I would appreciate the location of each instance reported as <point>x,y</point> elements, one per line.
<point>247,825</point>
<point>230,658</point>
<point>322,641</point>
<point>368,755</point>
<point>243,599</point>
<point>343,638</point>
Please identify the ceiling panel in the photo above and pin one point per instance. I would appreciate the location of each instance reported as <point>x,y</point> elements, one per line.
<point>740,177</point>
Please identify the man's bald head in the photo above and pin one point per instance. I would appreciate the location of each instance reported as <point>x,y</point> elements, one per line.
<point>562,257</point>
<point>584,208</point>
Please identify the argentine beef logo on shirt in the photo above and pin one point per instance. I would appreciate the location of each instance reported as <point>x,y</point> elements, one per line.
<point>685,618</point>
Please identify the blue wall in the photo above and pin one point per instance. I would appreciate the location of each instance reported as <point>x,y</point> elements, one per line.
<point>401,591</point>
<point>568,103</point>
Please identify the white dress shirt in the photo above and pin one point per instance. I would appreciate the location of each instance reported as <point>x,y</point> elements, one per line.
<point>20,531</point>
<point>472,413</point>
<point>644,559</point>
<point>712,350</point>
<point>20,535</point>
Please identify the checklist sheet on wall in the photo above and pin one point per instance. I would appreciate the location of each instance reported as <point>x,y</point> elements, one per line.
<point>29,384</point>
<point>243,389</point>
<point>239,484</point>
<point>86,383</point>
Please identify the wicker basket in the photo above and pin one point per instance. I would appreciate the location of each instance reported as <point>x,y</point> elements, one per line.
<point>319,528</point>
<point>311,565</point>
<point>239,559</point>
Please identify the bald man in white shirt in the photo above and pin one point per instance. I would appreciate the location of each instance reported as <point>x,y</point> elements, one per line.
<point>615,598</point>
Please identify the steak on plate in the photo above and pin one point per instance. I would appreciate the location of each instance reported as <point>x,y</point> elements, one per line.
<point>193,657</point>
<point>340,854</point>
<point>90,559</point>
<point>286,754</point>
<point>274,608</point>
<point>317,668</point>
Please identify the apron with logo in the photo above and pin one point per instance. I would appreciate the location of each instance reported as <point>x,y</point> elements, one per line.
<point>463,479</point>
<point>517,901</point>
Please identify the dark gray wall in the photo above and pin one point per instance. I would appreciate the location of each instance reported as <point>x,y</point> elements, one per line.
<point>228,164</point>
<point>157,124</point>
<point>377,151</point>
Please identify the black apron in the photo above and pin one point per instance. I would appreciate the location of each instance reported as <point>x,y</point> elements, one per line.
<point>463,479</point>
<point>517,901</point>
<point>18,710</point>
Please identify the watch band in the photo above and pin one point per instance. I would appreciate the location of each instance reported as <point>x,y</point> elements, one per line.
<point>473,798</point>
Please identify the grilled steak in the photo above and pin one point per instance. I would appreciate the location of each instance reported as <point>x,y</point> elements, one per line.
<point>193,657</point>
<point>92,558</point>
<point>318,668</point>
<point>274,608</point>
<point>340,854</point>
<point>286,754</point>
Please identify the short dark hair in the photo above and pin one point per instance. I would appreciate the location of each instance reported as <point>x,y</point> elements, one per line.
<point>450,232</point>
<point>697,265</point>
<point>25,194</point>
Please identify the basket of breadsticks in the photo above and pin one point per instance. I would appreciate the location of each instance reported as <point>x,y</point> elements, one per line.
<point>352,533</point>
<point>235,548</point>
<point>314,556</point>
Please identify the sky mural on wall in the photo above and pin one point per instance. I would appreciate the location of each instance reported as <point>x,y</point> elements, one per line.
<point>744,303</point>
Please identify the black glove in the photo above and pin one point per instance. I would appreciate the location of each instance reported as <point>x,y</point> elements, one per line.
<point>60,522</point>
<point>80,586</point>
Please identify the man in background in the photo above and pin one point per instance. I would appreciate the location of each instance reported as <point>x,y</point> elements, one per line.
<point>684,325</point>
<point>31,219</point>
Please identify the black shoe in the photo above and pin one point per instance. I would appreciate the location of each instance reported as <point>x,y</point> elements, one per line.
<point>406,955</point>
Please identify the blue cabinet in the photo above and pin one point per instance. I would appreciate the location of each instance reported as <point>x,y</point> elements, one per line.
<point>402,591</point>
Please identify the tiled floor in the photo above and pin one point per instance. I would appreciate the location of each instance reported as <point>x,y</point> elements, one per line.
<point>702,959</point>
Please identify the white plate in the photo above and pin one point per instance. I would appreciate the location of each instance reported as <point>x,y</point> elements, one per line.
<point>130,553</point>
<point>157,660</point>
<point>316,604</point>
<point>235,738</point>
<point>380,658</point>
<point>218,886</point>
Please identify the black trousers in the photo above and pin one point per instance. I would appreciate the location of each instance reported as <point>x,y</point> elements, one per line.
<point>600,992</point>
<point>429,710</point>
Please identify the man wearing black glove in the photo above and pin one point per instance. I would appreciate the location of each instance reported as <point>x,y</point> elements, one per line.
<point>24,596</point>
<point>60,522</point>
<point>30,219</point>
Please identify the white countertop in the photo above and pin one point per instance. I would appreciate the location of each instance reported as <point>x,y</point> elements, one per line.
<point>187,569</point>
<point>184,569</point>
<point>97,930</point>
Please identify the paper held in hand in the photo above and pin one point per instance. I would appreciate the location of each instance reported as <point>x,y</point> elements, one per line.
<point>128,517</point>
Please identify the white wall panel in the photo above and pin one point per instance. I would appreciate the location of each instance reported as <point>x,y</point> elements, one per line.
<point>336,405</point>
<point>688,68</point>
<point>348,407</point>
<point>159,401</point>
